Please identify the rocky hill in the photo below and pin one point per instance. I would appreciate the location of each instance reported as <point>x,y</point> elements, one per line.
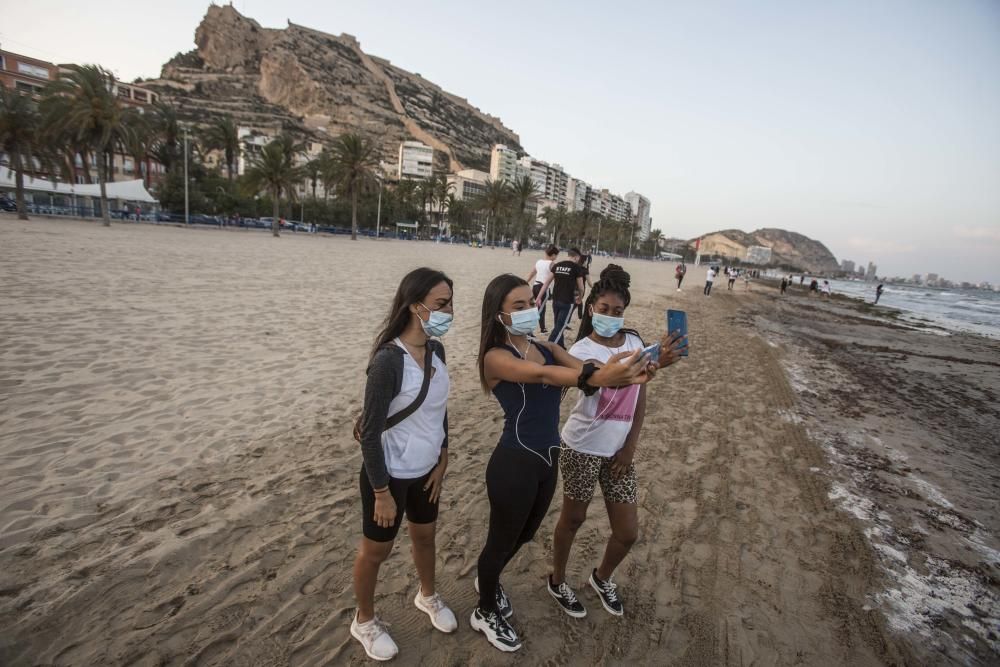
<point>321,85</point>
<point>787,248</point>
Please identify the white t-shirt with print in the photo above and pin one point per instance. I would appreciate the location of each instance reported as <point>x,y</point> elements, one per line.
<point>600,423</point>
<point>412,447</point>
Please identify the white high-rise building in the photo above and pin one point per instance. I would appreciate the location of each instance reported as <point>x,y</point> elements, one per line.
<point>416,160</point>
<point>640,211</point>
<point>577,196</point>
<point>536,169</point>
<point>505,166</point>
<point>611,205</point>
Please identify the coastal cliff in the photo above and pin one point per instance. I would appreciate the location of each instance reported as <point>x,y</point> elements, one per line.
<point>787,248</point>
<point>319,85</point>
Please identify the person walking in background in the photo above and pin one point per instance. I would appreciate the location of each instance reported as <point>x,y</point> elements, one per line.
<point>526,376</point>
<point>539,276</point>
<point>679,273</point>
<point>813,287</point>
<point>784,284</point>
<point>404,459</point>
<point>567,291</point>
<point>827,289</point>
<point>731,274</point>
<point>878,292</point>
<point>746,280</point>
<point>598,445</point>
<point>709,278</point>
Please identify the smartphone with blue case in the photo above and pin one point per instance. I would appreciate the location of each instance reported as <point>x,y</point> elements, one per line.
<point>677,321</point>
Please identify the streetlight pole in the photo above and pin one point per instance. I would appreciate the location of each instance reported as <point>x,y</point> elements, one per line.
<point>187,212</point>
<point>378,213</point>
<point>599,221</point>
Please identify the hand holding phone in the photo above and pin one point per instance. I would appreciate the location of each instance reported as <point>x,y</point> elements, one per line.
<point>652,353</point>
<point>677,326</point>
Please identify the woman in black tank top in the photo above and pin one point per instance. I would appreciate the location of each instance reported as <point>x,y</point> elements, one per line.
<point>526,376</point>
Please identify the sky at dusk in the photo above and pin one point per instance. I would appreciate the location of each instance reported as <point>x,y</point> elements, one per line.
<point>873,127</point>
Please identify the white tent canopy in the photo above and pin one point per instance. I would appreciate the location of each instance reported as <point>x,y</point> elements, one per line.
<point>132,191</point>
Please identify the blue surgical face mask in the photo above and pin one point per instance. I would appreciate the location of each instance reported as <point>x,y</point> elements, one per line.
<point>438,323</point>
<point>606,326</point>
<point>523,322</point>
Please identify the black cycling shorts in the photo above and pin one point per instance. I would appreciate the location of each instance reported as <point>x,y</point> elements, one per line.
<point>410,498</point>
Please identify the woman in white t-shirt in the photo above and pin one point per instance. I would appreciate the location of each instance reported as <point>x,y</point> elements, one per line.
<point>598,444</point>
<point>538,277</point>
<point>404,448</point>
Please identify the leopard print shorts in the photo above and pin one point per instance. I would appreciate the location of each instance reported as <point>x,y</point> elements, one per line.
<point>581,473</point>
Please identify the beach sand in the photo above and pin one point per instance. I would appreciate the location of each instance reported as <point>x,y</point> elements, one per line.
<point>180,480</point>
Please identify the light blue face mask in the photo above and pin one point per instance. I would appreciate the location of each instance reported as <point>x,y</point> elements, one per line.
<point>438,323</point>
<point>606,326</point>
<point>522,322</point>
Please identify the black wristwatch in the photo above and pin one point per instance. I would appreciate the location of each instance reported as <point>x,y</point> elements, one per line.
<point>581,382</point>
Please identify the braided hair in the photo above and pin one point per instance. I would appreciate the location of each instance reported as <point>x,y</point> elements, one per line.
<point>615,280</point>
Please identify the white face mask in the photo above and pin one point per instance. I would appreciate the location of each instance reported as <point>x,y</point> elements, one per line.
<point>606,326</point>
<point>437,323</point>
<point>522,322</point>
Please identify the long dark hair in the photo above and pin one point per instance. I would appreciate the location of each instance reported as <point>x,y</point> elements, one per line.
<point>413,288</point>
<point>492,332</point>
<point>615,280</point>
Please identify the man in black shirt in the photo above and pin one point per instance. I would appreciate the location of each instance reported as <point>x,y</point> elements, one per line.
<point>567,290</point>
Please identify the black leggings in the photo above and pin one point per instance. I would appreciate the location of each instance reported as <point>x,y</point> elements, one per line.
<point>520,486</point>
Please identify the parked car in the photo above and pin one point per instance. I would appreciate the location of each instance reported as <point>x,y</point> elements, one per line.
<point>7,204</point>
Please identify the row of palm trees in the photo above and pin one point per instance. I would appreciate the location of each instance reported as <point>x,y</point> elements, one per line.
<point>79,121</point>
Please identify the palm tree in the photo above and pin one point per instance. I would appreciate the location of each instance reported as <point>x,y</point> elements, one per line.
<point>356,159</point>
<point>654,242</point>
<point>273,171</point>
<point>223,135</point>
<point>441,189</point>
<point>312,171</point>
<point>166,129</point>
<point>493,201</point>
<point>326,171</point>
<point>82,104</point>
<point>138,143</point>
<point>524,192</point>
<point>20,139</point>
<point>555,221</point>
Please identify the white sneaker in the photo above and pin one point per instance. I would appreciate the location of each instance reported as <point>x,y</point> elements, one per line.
<point>498,632</point>
<point>442,617</point>
<point>374,638</point>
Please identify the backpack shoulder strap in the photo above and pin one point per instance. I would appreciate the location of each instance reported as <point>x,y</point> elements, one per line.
<point>418,401</point>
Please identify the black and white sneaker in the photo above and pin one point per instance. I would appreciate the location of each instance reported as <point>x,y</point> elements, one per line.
<point>567,599</point>
<point>608,592</point>
<point>504,606</point>
<point>496,628</point>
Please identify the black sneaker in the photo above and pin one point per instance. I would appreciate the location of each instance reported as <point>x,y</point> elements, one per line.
<point>497,630</point>
<point>608,592</point>
<point>566,598</point>
<point>504,606</point>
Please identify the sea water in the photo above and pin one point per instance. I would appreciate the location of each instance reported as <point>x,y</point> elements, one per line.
<point>966,310</point>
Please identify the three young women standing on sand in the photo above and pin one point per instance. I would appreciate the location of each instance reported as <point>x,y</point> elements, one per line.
<point>404,462</point>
